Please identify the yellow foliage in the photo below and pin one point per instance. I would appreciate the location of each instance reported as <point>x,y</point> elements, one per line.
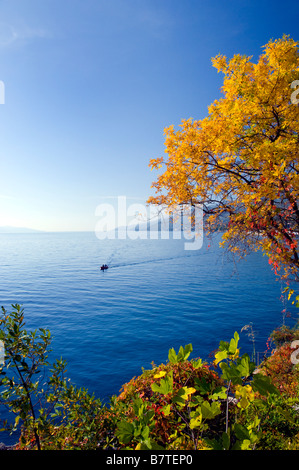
<point>245,395</point>
<point>160,374</point>
<point>242,159</point>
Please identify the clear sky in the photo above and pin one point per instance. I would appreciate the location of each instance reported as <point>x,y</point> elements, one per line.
<point>90,86</point>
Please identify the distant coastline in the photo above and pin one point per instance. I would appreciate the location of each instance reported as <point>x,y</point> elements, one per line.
<point>9,229</point>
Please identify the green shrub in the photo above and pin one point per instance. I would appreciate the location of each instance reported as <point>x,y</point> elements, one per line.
<point>181,405</point>
<point>47,407</point>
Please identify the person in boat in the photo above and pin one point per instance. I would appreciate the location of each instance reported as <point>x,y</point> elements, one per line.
<point>104,266</point>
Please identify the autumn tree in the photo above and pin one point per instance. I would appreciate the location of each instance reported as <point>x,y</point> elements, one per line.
<point>242,159</point>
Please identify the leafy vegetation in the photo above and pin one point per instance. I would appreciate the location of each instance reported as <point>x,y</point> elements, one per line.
<point>45,404</point>
<point>241,161</point>
<point>184,404</point>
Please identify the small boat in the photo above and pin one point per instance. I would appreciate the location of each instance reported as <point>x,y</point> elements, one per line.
<point>103,267</point>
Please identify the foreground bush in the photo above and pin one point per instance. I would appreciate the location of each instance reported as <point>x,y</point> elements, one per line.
<point>190,405</point>
<point>46,406</point>
<point>184,404</point>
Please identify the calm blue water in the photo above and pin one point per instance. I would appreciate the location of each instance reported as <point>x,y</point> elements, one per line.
<point>156,295</point>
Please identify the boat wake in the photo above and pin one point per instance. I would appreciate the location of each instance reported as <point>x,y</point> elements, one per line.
<point>147,261</point>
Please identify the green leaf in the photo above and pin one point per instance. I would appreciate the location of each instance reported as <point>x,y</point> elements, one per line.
<point>185,352</point>
<point>231,372</point>
<point>241,432</point>
<point>223,346</point>
<point>225,440</point>
<point>197,363</point>
<point>196,421</point>
<point>182,395</point>
<point>220,356</point>
<point>245,445</point>
<point>145,433</point>
<point>216,445</point>
<point>243,366</point>
<point>219,392</point>
<point>262,384</point>
<point>233,345</point>
<point>209,411</point>
<point>149,444</point>
<point>165,386</point>
<point>166,410</point>
<point>196,400</point>
<point>125,431</point>
<point>156,388</point>
<point>202,385</point>
<point>172,357</point>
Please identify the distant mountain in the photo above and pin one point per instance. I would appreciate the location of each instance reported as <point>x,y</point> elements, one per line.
<point>170,225</point>
<point>8,229</point>
<point>167,224</point>
<point>155,225</point>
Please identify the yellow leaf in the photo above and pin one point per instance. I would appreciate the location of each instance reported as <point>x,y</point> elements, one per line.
<point>188,391</point>
<point>160,374</point>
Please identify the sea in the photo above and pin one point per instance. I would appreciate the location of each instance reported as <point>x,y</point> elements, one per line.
<point>156,295</point>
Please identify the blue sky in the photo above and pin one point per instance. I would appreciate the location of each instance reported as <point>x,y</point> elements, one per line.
<point>90,86</point>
